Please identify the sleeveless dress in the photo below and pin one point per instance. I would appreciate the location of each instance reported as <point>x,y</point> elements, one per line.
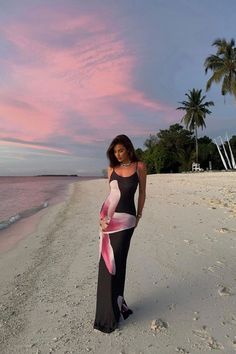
<point>114,245</point>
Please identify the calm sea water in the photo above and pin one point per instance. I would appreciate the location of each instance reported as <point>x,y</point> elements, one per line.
<point>22,197</point>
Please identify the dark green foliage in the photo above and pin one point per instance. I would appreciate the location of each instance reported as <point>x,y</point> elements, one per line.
<point>173,150</point>
<point>233,145</point>
<point>206,151</point>
<point>151,155</point>
<point>139,153</point>
<point>170,150</point>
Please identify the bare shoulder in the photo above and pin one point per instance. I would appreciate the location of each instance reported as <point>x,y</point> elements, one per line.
<point>141,166</point>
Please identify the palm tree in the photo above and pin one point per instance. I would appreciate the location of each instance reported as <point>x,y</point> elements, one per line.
<point>223,66</point>
<point>196,111</point>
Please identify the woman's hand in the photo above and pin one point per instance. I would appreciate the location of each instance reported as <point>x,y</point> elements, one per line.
<point>104,223</point>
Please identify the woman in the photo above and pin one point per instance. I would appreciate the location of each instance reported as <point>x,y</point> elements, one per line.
<point>118,219</point>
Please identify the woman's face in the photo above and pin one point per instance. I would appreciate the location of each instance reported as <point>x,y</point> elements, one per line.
<point>121,153</point>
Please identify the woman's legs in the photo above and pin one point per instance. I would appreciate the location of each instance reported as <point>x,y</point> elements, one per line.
<point>110,288</point>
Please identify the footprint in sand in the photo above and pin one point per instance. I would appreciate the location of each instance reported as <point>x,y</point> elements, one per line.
<point>196,317</point>
<point>159,325</point>
<point>234,344</point>
<point>224,291</point>
<point>209,340</point>
<point>188,242</point>
<point>233,320</point>
<point>214,267</point>
<point>181,350</point>
<point>171,307</point>
<point>224,230</point>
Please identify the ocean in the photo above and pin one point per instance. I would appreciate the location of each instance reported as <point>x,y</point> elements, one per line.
<point>22,197</point>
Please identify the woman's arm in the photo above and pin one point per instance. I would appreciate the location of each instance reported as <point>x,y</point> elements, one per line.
<point>105,221</point>
<point>142,171</point>
<point>109,172</point>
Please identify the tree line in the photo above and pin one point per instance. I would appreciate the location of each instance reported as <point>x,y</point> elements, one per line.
<point>174,149</point>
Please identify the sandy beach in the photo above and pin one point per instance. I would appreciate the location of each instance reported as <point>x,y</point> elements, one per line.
<point>180,283</point>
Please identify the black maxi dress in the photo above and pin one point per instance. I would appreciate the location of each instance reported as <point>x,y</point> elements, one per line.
<point>119,207</point>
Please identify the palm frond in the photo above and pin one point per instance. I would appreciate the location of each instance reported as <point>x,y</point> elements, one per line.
<point>223,66</point>
<point>196,109</point>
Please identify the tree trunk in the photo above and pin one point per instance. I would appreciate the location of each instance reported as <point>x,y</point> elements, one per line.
<point>196,143</point>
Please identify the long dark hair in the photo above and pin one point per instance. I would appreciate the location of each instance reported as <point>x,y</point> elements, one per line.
<point>126,142</point>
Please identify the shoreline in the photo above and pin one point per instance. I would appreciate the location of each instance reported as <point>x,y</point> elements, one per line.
<point>180,269</point>
<point>24,227</point>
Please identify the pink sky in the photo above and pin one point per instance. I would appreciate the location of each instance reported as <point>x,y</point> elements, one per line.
<point>76,74</point>
<point>90,78</point>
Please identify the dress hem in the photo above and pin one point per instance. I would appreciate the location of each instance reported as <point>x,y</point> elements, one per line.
<point>104,329</point>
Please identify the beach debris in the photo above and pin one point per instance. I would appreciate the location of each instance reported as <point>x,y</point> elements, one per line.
<point>181,350</point>
<point>224,291</point>
<point>159,325</point>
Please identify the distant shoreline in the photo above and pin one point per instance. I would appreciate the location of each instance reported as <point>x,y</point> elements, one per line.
<point>102,177</point>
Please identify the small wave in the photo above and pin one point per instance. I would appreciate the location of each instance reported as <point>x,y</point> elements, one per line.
<point>24,214</point>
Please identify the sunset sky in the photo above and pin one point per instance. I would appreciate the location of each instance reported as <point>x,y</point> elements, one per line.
<point>76,73</point>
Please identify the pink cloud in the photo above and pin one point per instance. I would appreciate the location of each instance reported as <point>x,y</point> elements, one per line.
<point>34,147</point>
<point>89,78</point>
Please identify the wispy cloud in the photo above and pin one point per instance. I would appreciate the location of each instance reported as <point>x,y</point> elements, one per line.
<point>69,63</point>
<point>11,142</point>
